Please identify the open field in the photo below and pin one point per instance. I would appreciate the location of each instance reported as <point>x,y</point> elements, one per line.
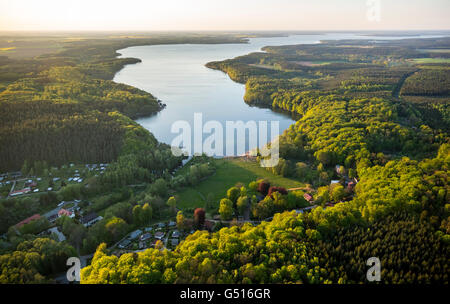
<point>228,173</point>
<point>431,60</point>
<point>435,50</point>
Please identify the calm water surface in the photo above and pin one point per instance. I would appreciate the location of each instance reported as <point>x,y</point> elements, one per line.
<point>177,75</point>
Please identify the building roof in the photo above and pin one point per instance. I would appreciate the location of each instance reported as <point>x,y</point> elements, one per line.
<point>22,191</point>
<point>27,220</point>
<point>65,212</point>
<point>159,234</point>
<point>87,218</point>
<point>59,234</point>
<point>124,243</point>
<point>145,236</point>
<point>307,196</point>
<point>135,233</point>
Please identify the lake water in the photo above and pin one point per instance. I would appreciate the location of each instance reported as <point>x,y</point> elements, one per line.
<point>177,75</point>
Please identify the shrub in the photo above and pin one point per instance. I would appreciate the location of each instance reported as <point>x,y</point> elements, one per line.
<point>263,188</point>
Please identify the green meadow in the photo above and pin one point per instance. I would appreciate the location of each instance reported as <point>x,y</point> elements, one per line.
<point>228,173</point>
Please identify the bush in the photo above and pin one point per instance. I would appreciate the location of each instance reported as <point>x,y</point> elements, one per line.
<point>263,188</point>
<point>199,218</point>
<point>233,193</point>
<point>226,209</point>
<point>277,189</point>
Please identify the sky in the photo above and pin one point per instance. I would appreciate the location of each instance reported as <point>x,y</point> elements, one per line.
<point>191,15</point>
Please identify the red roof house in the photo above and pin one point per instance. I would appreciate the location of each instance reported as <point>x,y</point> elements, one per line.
<point>64,212</point>
<point>308,197</point>
<point>19,192</point>
<point>27,220</point>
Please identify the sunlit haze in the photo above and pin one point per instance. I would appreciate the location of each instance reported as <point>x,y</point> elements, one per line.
<point>221,15</point>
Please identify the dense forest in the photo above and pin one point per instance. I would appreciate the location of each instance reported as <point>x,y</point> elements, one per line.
<point>62,107</point>
<point>370,143</point>
<point>57,107</point>
<point>63,114</point>
<point>285,250</point>
<point>34,260</point>
<point>355,113</point>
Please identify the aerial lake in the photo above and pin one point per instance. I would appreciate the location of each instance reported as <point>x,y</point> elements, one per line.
<point>176,74</point>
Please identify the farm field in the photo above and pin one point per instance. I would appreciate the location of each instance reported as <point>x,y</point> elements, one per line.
<point>431,60</point>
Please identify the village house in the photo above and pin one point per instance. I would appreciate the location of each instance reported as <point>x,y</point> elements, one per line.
<point>59,234</point>
<point>308,197</point>
<point>30,183</point>
<point>27,220</point>
<point>20,192</point>
<point>64,212</point>
<point>52,218</point>
<point>90,219</point>
<point>145,237</point>
<point>124,244</point>
<point>159,235</point>
<point>135,234</point>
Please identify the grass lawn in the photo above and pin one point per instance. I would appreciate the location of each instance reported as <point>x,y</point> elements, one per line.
<point>229,172</point>
<point>431,60</point>
<point>435,50</point>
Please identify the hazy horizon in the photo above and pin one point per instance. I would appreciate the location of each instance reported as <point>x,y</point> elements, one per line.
<point>234,15</point>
